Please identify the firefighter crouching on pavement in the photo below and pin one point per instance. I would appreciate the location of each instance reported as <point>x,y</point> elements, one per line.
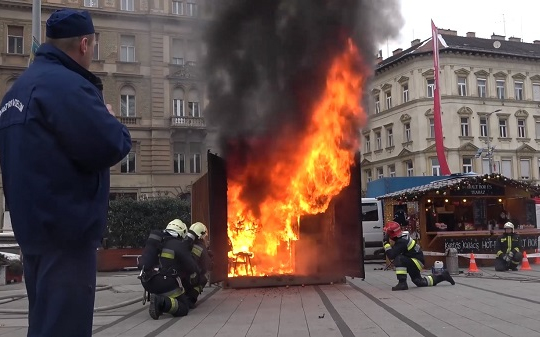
<point>508,248</point>
<point>408,258</point>
<point>164,285</point>
<point>196,235</point>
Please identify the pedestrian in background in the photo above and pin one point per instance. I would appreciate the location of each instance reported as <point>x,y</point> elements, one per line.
<point>58,140</point>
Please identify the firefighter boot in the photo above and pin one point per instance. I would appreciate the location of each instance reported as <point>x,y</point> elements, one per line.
<point>156,305</point>
<point>402,285</point>
<point>444,276</point>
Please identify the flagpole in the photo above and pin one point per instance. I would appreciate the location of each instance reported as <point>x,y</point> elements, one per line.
<point>36,28</point>
<point>439,139</point>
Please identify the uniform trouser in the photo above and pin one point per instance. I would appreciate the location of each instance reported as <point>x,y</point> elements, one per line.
<point>61,289</point>
<point>193,291</point>
<point>406,265</point>
<point>174,300</point>
<point>502,265</point>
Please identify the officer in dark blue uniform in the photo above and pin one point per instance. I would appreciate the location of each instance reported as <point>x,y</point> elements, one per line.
<point>58,140</point>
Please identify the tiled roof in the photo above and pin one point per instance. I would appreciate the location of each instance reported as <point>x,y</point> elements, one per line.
<point>470,44</point>
<point>433,186</point>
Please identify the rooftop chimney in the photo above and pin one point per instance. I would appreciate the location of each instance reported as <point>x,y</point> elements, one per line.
<point>397,51</point>
<point>514,39</point>
<point>448,32</point>
<point>498,37</point>
<point>536,41</point>
<point>471,34</point>
<point>415,42</point>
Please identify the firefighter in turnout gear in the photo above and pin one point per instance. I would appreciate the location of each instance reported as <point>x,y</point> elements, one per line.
<point>196,235</point>
<point>164,285</point>
<point>508,248</point>
<point>408,258</point>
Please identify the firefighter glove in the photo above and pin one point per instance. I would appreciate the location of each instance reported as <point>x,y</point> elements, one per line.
<point>511,254</point>
<point>507,258</point>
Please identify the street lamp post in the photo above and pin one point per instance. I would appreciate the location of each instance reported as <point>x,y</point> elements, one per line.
<point>489,152</point>
<point>36,27</point>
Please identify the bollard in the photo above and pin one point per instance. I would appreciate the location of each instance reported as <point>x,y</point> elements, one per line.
<point>452,261</point>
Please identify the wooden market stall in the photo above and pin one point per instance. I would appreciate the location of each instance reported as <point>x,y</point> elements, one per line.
<point>466,212</point>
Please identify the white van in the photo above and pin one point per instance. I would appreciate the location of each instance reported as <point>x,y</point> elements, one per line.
<point>372,226</point>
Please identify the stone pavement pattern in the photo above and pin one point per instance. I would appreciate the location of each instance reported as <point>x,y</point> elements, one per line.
<point>496,304</point>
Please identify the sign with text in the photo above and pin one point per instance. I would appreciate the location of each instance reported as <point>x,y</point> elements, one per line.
<point>485,245</point>
<point>479,189</point>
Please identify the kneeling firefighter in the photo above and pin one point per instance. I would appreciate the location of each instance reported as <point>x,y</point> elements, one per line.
<point>408,258</point>
<point>175,261</point>
<point>196,235</point>
<point>508,248</point>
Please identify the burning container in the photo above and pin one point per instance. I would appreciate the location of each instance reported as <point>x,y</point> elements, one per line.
<point>325,249</point>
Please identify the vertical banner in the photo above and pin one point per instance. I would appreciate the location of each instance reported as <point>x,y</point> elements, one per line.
<point>35,46</point>
<point>439,142</point>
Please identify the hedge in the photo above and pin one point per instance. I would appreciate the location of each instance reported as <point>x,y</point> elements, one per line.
<point>130,221</point>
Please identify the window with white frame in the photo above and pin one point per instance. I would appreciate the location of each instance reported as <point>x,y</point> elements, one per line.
<point>195,157</point>
<point>369,176</point>
<point>481,83</point>
<point>518,90</point>
<point>537,128</point>
<point>15,39</point>
<point>464,126</point>
<point>503,128</point>
<point>96,47</point>
<point>179,162</point>
<point>391,170</point>
<point>377,104</point>
<point>405,89</point>
<point>178,104</point>
<point>407,129</point>
<point>390,137</point>
<point>380,173</point>
<point>410,168</point>
<point>127,102</point>
<point>536,91</point>
<point>127,48</point>
<point>500,89</point>
<point>177,55</point>
<point>483,127</point>
<point>467,165</point>
<point>91,3</point>
<point>191,8</point>
<point>388,95</point>
<point>127,165</point>
<point>525,169</point>
<point>521,128</point>
<point>430,88</point>
<point>506,167</point>
<point>367,143</point>
<point>177,7</point>
<point>127,5</point>
<point>435,167</point>
<point>462,86</point>
<point>378,140</point>
<point>432,127</point>
<point>193,104</point>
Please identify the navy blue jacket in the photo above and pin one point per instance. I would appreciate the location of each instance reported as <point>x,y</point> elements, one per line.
<point>57,143</point>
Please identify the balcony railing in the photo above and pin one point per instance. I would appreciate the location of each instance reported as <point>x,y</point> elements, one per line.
<point>188,122</point>
<point>128,120</point>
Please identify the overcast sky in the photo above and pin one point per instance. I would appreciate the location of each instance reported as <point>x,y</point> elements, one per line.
<point>484,17</point>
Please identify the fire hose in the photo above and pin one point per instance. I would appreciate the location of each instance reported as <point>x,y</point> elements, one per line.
<point>14,297</point>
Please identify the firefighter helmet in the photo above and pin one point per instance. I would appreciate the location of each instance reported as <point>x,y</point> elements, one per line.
<point>199,229</point>
<point>509,225</point>
<point>178,227</point>
<point>393,229</point>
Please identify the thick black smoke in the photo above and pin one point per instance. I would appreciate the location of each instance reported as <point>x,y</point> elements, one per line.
<point>267,60</point>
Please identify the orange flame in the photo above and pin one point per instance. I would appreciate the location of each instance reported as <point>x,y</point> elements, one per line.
<point>306,172</point>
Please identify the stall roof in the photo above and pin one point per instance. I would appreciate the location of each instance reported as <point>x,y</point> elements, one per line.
<point>456,180</point>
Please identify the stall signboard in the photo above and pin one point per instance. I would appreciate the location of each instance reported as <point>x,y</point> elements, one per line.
<point>479,189</point>
<point>484,245</point>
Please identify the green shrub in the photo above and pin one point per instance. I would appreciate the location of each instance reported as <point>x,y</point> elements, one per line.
<point>130,221</point>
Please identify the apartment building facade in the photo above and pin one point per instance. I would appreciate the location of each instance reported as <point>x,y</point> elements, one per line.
<point>148,55</point>
<point>489,88</point>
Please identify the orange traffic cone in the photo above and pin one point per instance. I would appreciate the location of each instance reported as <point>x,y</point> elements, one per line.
<point>525,262</point>
<point>536,259</point>
<point>472,265</point>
